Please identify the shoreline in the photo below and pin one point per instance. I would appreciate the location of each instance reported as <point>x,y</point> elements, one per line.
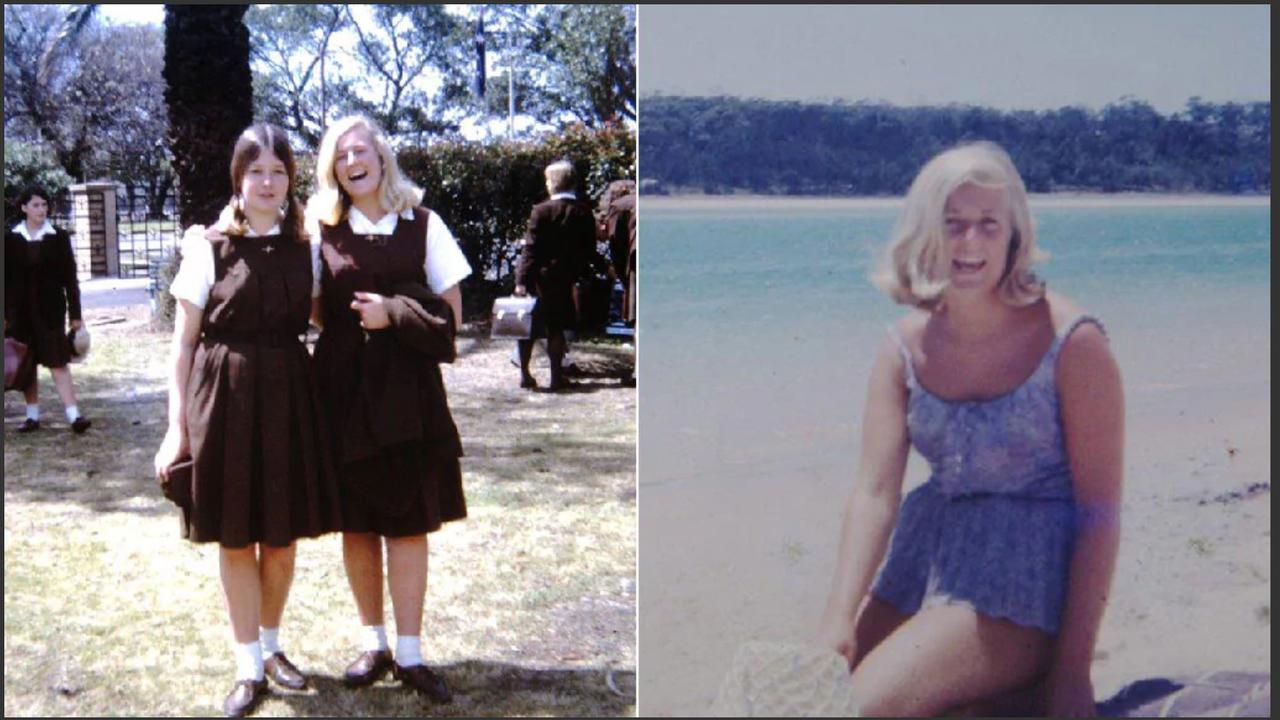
<point>694,202</point>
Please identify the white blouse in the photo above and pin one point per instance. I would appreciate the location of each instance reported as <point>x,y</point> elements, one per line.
<point>445,265</point>
<point>196,274</point>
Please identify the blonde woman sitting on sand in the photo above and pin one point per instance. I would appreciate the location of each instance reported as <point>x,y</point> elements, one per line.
<point>999,566</point>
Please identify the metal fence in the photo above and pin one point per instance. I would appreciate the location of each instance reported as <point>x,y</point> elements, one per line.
<point>142,237</point>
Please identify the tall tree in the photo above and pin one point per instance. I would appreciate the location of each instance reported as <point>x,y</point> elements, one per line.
<point>573,62</point>
<point>296,81</point>
<point>592,50</point>
<point>40,71</point>
<point>209,91</point>
<point>398,47</point>
<point>130,121</point>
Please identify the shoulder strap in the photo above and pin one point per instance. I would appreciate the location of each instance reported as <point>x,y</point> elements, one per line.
<point>904,351</point>
<point>1065,331</point>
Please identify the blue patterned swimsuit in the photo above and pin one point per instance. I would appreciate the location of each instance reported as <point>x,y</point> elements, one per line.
<point>994,526</point>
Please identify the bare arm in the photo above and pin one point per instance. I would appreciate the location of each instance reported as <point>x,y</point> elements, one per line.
<point>453,296</point>
<point>186,333</point>
<point>872,507</point>
<point>1093,425</point>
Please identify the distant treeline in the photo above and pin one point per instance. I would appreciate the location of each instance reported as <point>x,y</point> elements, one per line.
<point>724,144</point>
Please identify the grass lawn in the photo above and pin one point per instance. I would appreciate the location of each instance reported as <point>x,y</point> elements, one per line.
<point>531,600</point>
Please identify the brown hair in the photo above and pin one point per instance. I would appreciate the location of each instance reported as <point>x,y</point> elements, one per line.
<point>248,147</point>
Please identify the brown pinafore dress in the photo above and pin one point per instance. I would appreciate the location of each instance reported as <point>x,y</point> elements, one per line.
<point>261,473</point>
<point>403,478</point>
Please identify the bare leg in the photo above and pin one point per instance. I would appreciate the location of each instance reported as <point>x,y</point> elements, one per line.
<point>239,570</point>
<point>362,555</point>
<point>62,381</point>
<point>944,657</point>
<point>877,620</point>
<point>32,392</point>
<point>525,348</point>
<point>407,575</point>
<point>276,576</point>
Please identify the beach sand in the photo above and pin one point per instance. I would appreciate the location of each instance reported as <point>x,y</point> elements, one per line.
<point>748,554</point>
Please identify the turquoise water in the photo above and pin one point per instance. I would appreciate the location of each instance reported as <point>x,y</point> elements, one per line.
<point>758,326</point>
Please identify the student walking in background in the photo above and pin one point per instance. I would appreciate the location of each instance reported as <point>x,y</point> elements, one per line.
<point>559,244</point>
<point>40,292</point>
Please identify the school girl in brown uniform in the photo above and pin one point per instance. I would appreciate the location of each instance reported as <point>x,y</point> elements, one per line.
<point>242,403</point>
<point>40,292</point>
<point>389,308</point>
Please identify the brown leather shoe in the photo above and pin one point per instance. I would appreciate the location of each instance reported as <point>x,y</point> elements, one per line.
<point>423,681</point>
<point>368,668</point>
<point>29,425</point>
<point>244,697</point>
<point>284,673</point>
<point>80,424</point>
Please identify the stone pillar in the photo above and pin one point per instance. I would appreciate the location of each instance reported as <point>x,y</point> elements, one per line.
<point>93,208</point>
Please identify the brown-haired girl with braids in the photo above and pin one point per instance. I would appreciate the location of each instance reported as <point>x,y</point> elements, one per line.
<point>242,404</point>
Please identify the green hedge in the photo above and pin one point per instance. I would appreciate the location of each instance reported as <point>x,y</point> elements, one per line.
<point>484,192</point>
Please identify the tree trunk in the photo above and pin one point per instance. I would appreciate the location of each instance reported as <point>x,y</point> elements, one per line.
<point>157,194</point>
<point>209,91</point>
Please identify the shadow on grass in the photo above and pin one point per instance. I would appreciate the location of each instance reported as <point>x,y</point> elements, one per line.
<point>577,445</point>
<point>479,689</point>
<point>108,468</point>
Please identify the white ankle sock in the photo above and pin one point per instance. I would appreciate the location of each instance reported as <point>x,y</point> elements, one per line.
<point>249,661</point>
<point>408,650</point>
<point>270,639</point>
<point>374,637</point>
<point>73,412</point>
<point>33,412</point>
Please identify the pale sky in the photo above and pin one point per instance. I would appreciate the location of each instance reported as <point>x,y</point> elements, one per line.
<point>471,129</point>
<point>1008,57</point>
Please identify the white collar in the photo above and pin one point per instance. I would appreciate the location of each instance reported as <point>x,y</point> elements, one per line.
<point>46,229</point>
<point>568,195</point>
<point>225,218</point>
<point>248,231</point>
<point>362,225</point>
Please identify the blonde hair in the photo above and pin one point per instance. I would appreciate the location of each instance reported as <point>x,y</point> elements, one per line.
<point>249,146</point>
<point>329,204</point>
<point>915,267</point>
<point>560,176</point>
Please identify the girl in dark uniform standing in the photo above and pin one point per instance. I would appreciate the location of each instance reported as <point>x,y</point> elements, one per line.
<point>390,304</point>
<point>41,290</point>
<point>242,403</point>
